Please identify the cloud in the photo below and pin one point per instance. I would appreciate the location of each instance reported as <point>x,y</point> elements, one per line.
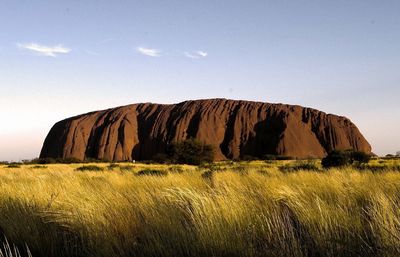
<point>149,51</point>
<point>191,55</point>
<point>202,53</point>
<point>52,51</point>
<point>196,55</point>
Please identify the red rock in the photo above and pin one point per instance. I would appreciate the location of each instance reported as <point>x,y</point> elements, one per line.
<point>234,128</point>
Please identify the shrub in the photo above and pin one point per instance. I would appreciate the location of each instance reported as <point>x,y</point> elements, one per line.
<point>152,172</point>
<point>70,160</point>
<point>269,157</point>
<point>39,167</point>
<point>147,161</point>
<point>54,160</point>
<point>89,168</point>
<point>360,157</point>
<point>264,171</point>
<point>47,161</point>
<point>192,151</point>
<point>208,175</point>
<point>161,158</point>
<point>88,160</point>
<point>302,165</point>
<point>14,165</point>
<point>241,169</point>
<point>176,169</point>
<point>211,166</point>
<point>126,168</point>
<point>229,163</point>
<point>339,158</point>
<point>379,167</point>
<point>249,158</point>
<point>273,157</point>
<point>43,161</point>
<point>112,166</point>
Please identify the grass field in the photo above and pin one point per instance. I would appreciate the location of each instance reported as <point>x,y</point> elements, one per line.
<point>226,209</point>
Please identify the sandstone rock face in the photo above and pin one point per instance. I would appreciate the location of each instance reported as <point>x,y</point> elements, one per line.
<point>234,128</point>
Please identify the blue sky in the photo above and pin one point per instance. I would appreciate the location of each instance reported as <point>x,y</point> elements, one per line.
<point>62,58</point>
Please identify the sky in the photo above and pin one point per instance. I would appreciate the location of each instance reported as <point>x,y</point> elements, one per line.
<point>63,58</point>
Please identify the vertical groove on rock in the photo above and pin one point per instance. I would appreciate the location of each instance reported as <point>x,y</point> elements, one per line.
<point>229,133</point>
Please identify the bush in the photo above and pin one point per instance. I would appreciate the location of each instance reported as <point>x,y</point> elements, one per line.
<point>249,158</point>
<point>360,157</point>
<point>126,168</point>
<point>112,166</point>
<point>89,160</point>
<point>14,165</point>
<point>339,158</point>
<point>211,166</point>
<point>44,161</point>
<point>269,157</point>
<point>302,165</point>
<point>273,157</point>
<point>39,167</point>
<point>71,160</point>
<point>152,172</point>
<point>192,151</point>
<point>161,158</point>
<point>54,160</point>
<point>89,168</point>
<point>264,171</point>
<point>379,167</point>
<point>209,174</point>
<point>176,169</point>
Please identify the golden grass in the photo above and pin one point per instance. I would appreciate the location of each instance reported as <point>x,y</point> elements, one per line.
<point>244,209</point>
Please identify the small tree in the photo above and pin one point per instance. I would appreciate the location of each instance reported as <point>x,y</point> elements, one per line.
<point>192,151</point>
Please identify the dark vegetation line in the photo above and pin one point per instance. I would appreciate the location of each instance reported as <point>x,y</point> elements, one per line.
<point>194,152</point>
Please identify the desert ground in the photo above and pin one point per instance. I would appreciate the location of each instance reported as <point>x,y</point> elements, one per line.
<point>254,208</point>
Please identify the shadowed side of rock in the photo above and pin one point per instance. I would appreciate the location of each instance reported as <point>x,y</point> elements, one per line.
<point>234,128</point>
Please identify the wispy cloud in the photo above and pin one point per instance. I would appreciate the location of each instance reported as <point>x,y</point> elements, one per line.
<point>196,54</point>
<point>149,51</point>
<point>52,51</point>
<point>202,53</point>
